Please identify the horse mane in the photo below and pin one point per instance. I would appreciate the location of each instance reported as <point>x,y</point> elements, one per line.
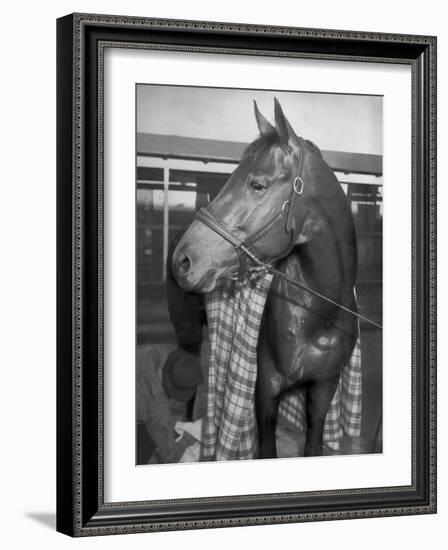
<point>313,147</point>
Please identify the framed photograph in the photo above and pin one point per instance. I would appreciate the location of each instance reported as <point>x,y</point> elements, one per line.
<point>246,274</point>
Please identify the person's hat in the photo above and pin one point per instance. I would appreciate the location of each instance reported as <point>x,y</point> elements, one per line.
<point>182,374</point>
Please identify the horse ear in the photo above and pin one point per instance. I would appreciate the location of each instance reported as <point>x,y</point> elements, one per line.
<point>264,126</point>
<point>284,129</point>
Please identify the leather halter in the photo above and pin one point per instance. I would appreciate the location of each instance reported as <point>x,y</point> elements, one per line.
<point>284,218</point>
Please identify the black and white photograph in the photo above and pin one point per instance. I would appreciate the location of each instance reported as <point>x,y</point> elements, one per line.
<point>259,273</point>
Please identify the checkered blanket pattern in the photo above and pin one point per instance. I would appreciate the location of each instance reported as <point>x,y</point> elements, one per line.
<point>344,414</point>
<point>234,313</point>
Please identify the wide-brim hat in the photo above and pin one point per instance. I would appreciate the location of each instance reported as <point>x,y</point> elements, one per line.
<point>182,374</point>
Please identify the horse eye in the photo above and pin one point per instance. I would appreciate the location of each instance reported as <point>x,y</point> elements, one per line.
<point>256,186</point>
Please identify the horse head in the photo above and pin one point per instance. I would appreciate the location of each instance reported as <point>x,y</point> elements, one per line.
<point>266,205</point>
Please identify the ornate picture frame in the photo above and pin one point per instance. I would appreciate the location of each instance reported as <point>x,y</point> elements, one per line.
<point>81,43</point>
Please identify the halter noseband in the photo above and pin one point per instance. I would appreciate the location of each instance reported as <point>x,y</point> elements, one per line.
<point>246,248</point>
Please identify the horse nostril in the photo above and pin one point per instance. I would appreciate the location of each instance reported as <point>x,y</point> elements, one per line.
<point>183,263</point>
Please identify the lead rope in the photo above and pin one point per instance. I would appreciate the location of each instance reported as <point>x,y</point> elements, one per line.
<point>260,265</point>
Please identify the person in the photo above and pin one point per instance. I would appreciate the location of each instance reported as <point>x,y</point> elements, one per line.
<point>167,404</point>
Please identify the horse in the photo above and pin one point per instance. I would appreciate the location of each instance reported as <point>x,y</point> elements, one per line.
<point>282,207</point>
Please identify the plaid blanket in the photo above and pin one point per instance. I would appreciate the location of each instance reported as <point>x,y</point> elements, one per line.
<point>234,313</point>
<point>344,414</point>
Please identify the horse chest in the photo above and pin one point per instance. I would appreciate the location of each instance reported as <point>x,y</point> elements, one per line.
<point>302,345</point>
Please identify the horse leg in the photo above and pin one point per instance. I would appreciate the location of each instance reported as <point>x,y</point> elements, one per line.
<point>266,404</point>
<point>267,408</point>
<point>319,395</point>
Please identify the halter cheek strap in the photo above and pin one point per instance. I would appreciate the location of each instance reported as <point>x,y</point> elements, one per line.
<point>297,188</point>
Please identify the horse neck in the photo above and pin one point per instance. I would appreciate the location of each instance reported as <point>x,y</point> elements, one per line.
<point>327,252</point>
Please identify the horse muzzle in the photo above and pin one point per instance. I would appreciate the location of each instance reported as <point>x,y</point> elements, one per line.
<point>186,273</point>
<point>200,258</point>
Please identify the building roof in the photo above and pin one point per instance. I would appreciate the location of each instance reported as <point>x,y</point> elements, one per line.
<point>213,150</point>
